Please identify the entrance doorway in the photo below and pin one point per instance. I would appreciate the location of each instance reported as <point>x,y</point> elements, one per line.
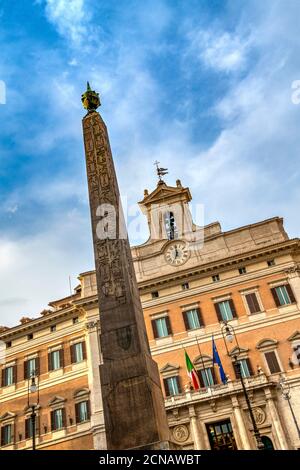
<point>221,436</point>
<point>267,443</point>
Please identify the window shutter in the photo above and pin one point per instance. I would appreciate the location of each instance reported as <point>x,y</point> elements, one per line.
<point>185,319</point>
<point>275,297</point>
<point>88,404</point>
<point>252,303</point>
<point>15,373</point>
<point>272,362</point>
<point>236,368</point>
<point>200,316</point>
<point>218,311</point>
<point>52,421</point>
<point>154,328</point>
<point>168,325</point>
<point>27,424</point>
<point>25,370</point>
<point>72,350</point>
<point>77,417</point>
<point>213,373</point>
<point>291,294</point>
<point>64,417</point>
<point>84,349</point>
<point>61,357</point>
<point>179,384</point>
<point>249,366</point>
<point>233,311</point>
<point>166,385</point>
<point>37,365</point>
<point>3,377</point>
<point>50,365</point>
<point>200,378</point>
<point>2,436</point>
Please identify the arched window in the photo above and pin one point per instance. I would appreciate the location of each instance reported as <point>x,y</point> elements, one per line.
<point>170,225</point>
<point>267,443</point>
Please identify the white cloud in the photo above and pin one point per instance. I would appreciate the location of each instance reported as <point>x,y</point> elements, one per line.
<point>69,17</point>
<point>222,51</point>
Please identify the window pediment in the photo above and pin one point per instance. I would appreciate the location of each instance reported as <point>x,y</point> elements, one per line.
<point>238,352</point>
<point>169,368</point>
<point>267,344</point>
<point>295,336</point>
<point>57,401</point>
<point>7,416</point>
<point>81,393</point>
<point>203,361</point>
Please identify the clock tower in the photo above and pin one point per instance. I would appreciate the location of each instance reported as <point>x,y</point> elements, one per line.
<point>175,242</point>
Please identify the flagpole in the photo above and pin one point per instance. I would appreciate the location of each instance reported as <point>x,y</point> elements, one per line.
<point>202,361</point>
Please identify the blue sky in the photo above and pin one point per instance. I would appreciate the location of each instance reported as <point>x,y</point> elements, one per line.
<point>203,86</point>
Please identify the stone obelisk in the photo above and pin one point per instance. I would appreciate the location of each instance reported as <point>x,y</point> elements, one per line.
<point>133,404</point>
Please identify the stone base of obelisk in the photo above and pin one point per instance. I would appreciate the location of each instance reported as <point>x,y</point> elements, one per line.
<point>162,445</point>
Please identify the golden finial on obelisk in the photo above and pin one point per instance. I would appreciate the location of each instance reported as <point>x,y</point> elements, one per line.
<point>90,99</point>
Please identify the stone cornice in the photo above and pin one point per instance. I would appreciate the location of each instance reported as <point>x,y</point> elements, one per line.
<point>219,265</point>
<point>215,286</point>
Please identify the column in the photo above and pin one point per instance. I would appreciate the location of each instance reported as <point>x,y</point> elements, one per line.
<point>275,420</point>
<point>240,424</point>
<point>294,281</point>
<point>197,437</point>
<point>97,416</point>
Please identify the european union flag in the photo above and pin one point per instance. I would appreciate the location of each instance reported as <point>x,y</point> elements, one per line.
<point>217,360</point>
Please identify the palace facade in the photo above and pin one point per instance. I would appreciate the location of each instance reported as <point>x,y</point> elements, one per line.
<point>191,281</point>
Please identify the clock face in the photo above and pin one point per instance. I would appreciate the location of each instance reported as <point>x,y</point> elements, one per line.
<point>177,253</point>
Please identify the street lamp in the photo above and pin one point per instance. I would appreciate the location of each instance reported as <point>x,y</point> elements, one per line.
<point>229,336</point>
<point>33,387</point>
<point>285,389</point>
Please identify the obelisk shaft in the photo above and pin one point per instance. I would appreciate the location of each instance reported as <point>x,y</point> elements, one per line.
<point>132,399</point>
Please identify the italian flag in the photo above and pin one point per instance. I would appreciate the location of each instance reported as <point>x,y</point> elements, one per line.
<point>192,372</point>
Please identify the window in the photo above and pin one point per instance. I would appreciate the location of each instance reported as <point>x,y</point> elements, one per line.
<point>272,362</point>
<point>185,286</point>
<point>6,434</point>
<point>221,436</point>
<point>52,328</point>
<point>8,344</point>
<point>170,225</point>
<point>242,270</point>
<point>172,386</point>
<point>296,350</point>
<point>58,419</point>
<point>246,369</point>
<point>252,302</point>
<point>30,336</point>
<point>28,428</point>
<point>78,352</point>
<point>192,319</point>
<point>55,360</point>
<point>8,376</point>
<point>75,320</point>
<point>161,327</point>
<point>225,310</point>
<point>283,295</point>
<point>155,294</point>
<point>207,377</point>
<point>215,277</point>
<point>82,411</point>
<point>271,262</point>
<point>31,367</point>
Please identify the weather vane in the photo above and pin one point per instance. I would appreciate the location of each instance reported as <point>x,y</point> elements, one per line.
<point>160,171</point>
